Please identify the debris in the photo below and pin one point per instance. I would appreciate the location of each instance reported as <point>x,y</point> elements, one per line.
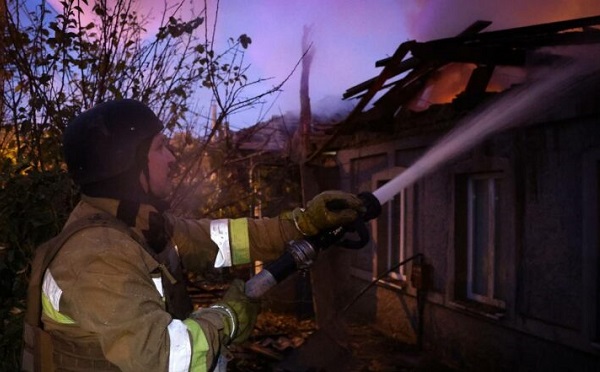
<point>274,337</point>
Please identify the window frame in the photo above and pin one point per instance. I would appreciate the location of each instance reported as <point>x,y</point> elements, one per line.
<point>398,278</point>
<point>493,218</point>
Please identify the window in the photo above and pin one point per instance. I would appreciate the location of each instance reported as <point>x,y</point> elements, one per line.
<point>390,232</point>
<point>478,236</point>
<point>482,238</point>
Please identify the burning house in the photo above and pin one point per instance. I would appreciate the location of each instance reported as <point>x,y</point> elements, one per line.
<point>488,254</point>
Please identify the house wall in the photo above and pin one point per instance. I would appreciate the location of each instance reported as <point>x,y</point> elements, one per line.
<point>547,312</point>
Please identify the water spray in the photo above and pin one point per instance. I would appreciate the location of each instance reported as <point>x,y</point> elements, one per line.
<point>514,108</point>
<point>517,107</point>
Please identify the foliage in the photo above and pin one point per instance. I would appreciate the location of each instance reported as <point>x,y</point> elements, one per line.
<point>233,181</point>
<point>33,207</point>
<point>54,65</point>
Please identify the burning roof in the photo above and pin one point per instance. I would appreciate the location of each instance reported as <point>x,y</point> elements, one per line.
<point>414,76</point>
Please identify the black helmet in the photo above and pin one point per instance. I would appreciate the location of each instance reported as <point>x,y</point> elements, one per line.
<point>104,141</point>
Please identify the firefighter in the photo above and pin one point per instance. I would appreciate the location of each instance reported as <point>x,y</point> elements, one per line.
<point>113,294</point>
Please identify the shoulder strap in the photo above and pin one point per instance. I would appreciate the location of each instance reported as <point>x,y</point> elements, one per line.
<point>46,252</point>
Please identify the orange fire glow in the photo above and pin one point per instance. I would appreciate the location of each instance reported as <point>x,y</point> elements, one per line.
<point>444,86</point>
<point>452,80</point>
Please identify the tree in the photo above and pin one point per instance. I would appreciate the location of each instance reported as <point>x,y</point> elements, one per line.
<point>58,62</point>
<point>57,66</point>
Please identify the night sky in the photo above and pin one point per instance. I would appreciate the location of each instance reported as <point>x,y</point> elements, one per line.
<point>349,36</point>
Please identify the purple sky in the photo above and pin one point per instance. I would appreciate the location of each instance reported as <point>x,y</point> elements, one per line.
<point>349,36</point>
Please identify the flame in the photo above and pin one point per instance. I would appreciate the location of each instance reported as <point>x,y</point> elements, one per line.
<point>444,86</point>
<point>435,19</point>
<point>452,80</point>
<point>504,77</point>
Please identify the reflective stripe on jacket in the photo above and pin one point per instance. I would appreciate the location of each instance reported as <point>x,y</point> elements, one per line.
<point>209,243</point>
<point>99,289</point>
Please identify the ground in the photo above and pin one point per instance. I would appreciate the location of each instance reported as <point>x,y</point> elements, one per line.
<point>282,343</point>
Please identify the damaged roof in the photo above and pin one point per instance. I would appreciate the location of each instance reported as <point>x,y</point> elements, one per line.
<point>407,72</point>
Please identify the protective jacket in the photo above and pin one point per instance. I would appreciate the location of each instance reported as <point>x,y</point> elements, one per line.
<point>111,303</point>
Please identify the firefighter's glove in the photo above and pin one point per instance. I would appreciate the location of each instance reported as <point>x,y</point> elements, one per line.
<point>239,313</point>
<point>326,211</point>
<point>234,317</point>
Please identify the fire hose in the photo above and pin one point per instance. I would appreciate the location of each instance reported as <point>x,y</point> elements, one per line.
<point>300,254</point>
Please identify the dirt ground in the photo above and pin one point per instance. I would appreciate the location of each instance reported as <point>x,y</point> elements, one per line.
<point>282,343</point>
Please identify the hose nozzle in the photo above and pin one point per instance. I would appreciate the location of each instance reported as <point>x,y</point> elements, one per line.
<point>300,254</point>
<point>372,205</point>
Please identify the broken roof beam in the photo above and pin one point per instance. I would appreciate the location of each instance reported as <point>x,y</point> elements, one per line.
<point>420,72</point>
<point>474,28</point>
<point>486,55</point>
<point>397,97</point>
<point>567,38</point>
<point>479,80</point>
<point>512,34</point>
<point>387,72</point>
<point>396,70</point>
<point>405,65</point>
<point>544,28</point>
<point>415,77</point>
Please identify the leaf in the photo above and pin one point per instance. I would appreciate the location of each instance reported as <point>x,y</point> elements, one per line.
<point>45,78</point>
<point>245,40</point>
<point>99,10</point>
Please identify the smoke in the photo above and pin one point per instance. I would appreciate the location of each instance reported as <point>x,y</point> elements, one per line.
<point>434,19</point>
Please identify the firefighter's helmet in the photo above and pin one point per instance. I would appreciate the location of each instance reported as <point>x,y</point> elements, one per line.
<point>104,141</point>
